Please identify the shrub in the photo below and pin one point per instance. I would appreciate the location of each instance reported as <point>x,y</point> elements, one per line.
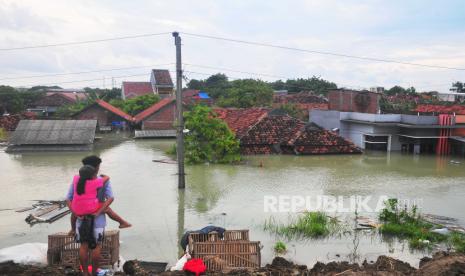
<point>308,225</point>
<point>280,247</point>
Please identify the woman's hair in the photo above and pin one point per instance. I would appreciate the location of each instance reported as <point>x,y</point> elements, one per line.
<point>86,172</point>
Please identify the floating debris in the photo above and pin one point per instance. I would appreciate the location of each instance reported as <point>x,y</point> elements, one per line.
<point>449,223</point>
<point>45,211</point>
<point>365,223</point>
<point>166,161</point>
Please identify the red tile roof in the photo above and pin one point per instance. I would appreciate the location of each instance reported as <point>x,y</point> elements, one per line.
<point>240,120</point>
<point>273,130</point>
<point>154,108</point>
<point>133,89</point>
<point>114,110</point>
<point>60,98</point>
<point>444,109</point>
<point>189,93</point>
<point>284,134</point>
<point>162,77</point>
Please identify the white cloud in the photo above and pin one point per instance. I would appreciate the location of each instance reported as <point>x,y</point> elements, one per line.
<point>365,28</point>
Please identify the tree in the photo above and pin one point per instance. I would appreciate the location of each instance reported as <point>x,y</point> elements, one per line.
<point>136,105</point>
<point>209,138</point>
<point>291,110</point>
<point>247,93</point>
<point>315,84</point>
<point>14,101</point>
<point>395,90</point>
<point>10,100</point>
<point>68,110</point>
<point>216,85</point>
<point>103,94</point>
<point>458,87</point>
<point>196,84</point>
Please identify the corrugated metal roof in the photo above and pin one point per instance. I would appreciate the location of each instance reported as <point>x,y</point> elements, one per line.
<point>166,133</point>
<point>48,148</point>
<point>54,132</point>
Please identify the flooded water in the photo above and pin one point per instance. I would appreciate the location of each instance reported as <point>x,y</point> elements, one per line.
<point>229,196</point>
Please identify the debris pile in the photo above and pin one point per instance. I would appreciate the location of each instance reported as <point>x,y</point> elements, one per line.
<point>10,122</point>
<point>45,211</point>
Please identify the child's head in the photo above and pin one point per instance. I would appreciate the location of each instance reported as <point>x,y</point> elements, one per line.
<point>86,172</point>
<point>93,161</point>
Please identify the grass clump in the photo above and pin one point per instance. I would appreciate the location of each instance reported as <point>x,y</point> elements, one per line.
<point>280,247</point>
<point>308,225</point>
<point>408,224</point>
<point>458,241</point>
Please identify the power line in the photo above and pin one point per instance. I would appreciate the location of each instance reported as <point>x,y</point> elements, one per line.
<point>236,71</point>
<point>323,52</point>
<point>99,79</point>
<point>82,42</point>
<point>84,72</point>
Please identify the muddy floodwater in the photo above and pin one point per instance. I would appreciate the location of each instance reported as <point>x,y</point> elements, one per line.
<point>146,194</point>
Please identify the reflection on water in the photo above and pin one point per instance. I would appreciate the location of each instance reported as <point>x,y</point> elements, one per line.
<point>228,196</point>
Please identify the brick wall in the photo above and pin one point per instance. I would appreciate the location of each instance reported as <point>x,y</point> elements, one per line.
<point>346,100</point>
<point>95,113</point>
<point>103,116</point>
<point>163,119</point>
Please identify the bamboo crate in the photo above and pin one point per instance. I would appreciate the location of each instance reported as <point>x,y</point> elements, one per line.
<point>63,250</point>
<point>229,235</point>
<point>227,255</point>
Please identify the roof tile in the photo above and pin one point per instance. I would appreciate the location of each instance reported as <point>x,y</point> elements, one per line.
<point>154,108</point>
<point>133,89</point>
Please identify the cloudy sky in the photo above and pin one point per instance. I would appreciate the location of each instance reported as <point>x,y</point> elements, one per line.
<point>424,32</point>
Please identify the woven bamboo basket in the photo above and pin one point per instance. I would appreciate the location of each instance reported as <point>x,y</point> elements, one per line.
<point>63,250</point>
<point>228,255</point>
<point>229,235</point>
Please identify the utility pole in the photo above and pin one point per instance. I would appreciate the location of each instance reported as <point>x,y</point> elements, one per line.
<point>180,119</point>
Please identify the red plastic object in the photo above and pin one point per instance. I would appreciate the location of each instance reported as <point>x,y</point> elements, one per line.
<point>195,266</point>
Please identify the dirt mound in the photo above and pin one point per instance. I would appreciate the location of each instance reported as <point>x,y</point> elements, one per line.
<point>441,264</point>
<point>10,268</point>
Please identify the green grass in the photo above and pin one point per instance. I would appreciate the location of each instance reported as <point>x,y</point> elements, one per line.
<point>307,225</point>
<point>458,241</point>
<point>408,224</point>
<point>280,247</point>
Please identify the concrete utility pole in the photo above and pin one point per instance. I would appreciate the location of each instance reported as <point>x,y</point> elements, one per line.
<point>180,119</point>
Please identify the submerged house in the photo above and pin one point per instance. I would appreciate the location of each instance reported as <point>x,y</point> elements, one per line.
<point>49,104</point>
<point>354,101</point>
<point>53,135</point>
<point>260,132</point>
<point>240,120</point>
<point>288,135</point>
<point>107,116</point>
<point>160,84</point>
<point>441,134</point>
<point>157,120</point>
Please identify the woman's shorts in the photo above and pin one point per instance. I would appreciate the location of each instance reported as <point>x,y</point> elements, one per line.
<point>98,232</point>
